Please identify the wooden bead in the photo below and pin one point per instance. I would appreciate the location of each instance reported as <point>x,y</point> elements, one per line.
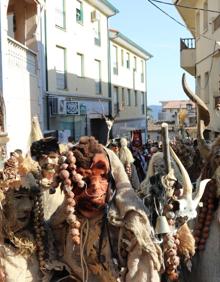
<point>76,240</point>
<point>75,232</point>
<point>64,174</point>
<point>71,218</point>
<point>76,224</point>
<point>173,276</point>
<point>64,166</point>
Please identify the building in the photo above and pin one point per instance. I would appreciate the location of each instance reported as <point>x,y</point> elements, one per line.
<point>176,110</point>
<point>177,113</point>
<point>200,55</point>
<point>128,84</point>
<point>20,70</point>
<point>55,62</point>
<point>77,67</point>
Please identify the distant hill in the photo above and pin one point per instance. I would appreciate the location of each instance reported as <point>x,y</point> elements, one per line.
<point>155,110</point>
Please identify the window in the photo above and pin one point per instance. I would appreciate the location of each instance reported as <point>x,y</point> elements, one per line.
<point>142,103</point>
<point>129,98</point>
<point>205,15</point>
<point>142,71</point>
<point>123,97</point>
<point>217,103</point>
<point>11,25</point>
<point>97,33</point>
<point>198,24</point>
<point>135,98</point>
<point>198,85</point>
<point>115,100</point>
<point>98,82</point>
<point>61,68</point>
<point>206,88</point>
<point>79,65</point>
<point>127,60</point>
<point>79,12</point>
<point>115,59</point>
<point>135,63</point>
<point>122,57</point>
<point>60,14</point>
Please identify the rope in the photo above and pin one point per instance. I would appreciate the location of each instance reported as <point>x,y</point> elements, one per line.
<point>82,247</point>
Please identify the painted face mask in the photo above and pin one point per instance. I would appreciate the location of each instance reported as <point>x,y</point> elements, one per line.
<point>18,208</point>
<point>92,198</point>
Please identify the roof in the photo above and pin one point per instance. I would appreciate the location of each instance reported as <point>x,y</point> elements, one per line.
<point>124,41</point>
<point>105,6</point>
<point>176,104</point>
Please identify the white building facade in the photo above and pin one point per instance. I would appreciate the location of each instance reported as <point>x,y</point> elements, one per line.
<point>128,84</point>
<point>77,92</point>
<point>20,70</point>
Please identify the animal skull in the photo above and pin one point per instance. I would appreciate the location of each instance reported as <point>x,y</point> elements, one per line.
<point>188,205</point>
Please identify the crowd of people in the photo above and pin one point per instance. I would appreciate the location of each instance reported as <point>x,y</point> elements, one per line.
<point>83,211</point>
<point>70,213</point>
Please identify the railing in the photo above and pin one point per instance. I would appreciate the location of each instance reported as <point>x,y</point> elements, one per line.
<point>187,43</point>
<point>21,57</point>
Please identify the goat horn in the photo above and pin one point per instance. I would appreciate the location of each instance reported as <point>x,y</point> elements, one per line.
<point>200,192</point>
<point>202,108</point>
<point>187,185</point>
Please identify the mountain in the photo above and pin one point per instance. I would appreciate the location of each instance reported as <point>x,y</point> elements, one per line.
<point>155,109</point>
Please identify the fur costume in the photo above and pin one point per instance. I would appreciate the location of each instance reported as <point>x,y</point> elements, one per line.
<point>126,251</point>
<point>23,253</point>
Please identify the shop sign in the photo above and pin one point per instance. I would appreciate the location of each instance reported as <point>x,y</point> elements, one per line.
<point>72,108</point>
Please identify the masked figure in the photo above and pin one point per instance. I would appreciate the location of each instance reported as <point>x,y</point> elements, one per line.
<point>101,228</point>
<point>24,256</point>
<point>46,152</point>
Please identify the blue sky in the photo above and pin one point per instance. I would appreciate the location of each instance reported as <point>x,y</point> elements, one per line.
<point>160,36</point>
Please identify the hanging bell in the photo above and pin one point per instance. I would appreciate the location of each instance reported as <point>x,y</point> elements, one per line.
<point>162,225</point>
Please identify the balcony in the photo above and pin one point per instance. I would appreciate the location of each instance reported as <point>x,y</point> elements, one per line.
<point>21,57</point>
<point>188,55</point>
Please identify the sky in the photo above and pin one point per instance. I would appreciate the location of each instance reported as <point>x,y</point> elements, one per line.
<point>148,27</point>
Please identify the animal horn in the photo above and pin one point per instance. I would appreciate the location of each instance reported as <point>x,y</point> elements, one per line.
<point>200,192</point>
<point>203,118</point>
<point>202,108</point>
<point>203,147</point>
<point>187,185</point>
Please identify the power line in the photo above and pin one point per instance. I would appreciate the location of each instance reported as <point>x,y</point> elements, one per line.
<point>166,14</point>
<point>187,7</point>
<point>178,22</point>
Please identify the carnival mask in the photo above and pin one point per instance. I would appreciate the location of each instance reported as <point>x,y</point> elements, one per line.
<point>18,208</point>
<point>92,198</point>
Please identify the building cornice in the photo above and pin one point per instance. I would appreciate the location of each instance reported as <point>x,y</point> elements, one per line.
<point>104,6</point>
<point>78,97</point>
<point>122,40</point>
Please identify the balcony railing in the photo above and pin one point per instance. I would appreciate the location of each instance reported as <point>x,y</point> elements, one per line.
<point>187,43</point>
<point>21,57</point>
<point>188,55</point>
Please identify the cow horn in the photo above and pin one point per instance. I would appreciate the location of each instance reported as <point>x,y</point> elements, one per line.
<point>202,108</point>
<point>187,185</point>
<point>203,118</point>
